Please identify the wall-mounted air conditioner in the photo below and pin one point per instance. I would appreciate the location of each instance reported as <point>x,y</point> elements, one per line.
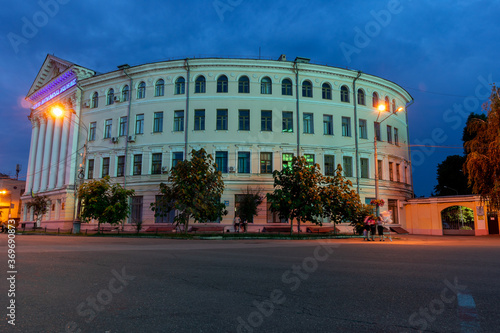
<point>114,140</point>
<point>131,138</point>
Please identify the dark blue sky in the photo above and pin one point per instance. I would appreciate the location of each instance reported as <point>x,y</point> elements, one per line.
<point>445,53</point>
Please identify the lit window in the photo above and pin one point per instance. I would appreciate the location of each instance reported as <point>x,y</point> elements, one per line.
<point>344,94</point>
<point>309,159</point>
<point>125,93</point>
<point>160,88</point>
<point>222,120</point>
<point>244,85</point>
<point>266,162</point>
<point>287,121</point>
<point>110,97</point>
<point>327,91</point>
<point>156,163</point>
<point>107,128</point>
<point>387,103</point>
<point>180,86</point>
<point>375,100</point>
<point>137,164</point>
<point>139,124</point>
<point>307,89</point>
<point>244,120</point>
<point>287,160</point>
<point>200,85</point>
<point>286,87</point>
<point>308,123</point>
<point>327,124</point>
<point>361,97</point>
<point>222,84</point>
<point>141,90</point>
<point>199,120</point>
<point>346,126</point>
<point>158,122</point>
<point>95,100</point>
<point>266,86</point>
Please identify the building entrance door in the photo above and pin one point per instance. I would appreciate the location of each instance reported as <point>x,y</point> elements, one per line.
<point>493,223</point>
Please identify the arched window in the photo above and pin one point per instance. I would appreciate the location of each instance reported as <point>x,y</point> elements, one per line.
<point>95,100</point>
<point>160,88</point>
<point>361,97</point>
<point>344,94</point>
<point>387,104</point>
<point>200,85</point>
<point>141,90</point>
<point>375,100</point>
<point>266,86</point>
<point>180,86</point>
<point>244,85</point>
<point>110,97</point>
<point>286,87</point>
<point>307,89</point>
<point>125,93</point>
<point>393,105</point>
<point>222,84</point>
<point>327,91</point>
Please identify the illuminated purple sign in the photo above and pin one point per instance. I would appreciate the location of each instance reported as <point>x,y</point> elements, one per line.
<point>56,93</point>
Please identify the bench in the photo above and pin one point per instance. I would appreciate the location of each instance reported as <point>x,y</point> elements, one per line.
<point>277,229</point>
<point>207,229</point>
<point>322,230</point>
<point>160,229</point>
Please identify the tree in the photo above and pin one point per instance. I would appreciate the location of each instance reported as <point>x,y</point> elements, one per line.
<point>466,134</point>
<point>450,177</point>
<point>194,189</point>
<point>104,202</point>
<point>341,202</point>
<point>482,166</point>
<point>40,205</point>
<point>297,192</point>
<point>248,204</point>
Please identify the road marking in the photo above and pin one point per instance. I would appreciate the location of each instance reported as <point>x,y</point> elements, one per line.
<point>467,313</point>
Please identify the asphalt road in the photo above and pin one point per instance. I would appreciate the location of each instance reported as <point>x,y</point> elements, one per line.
<point>86,284</point>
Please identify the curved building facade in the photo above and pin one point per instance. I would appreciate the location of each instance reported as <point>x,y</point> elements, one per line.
<point>135,123</point>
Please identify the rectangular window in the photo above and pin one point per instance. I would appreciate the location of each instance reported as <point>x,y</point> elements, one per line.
<point>163,215</point>
<point>266,121</point>
<point>308,123</point>
<point>222,119</point>
<point>176,158</point>
<point>287,121</point>
<point>139,124</point>
<point>199,120</point>
<point>266,162</point>
<point>364,167</point>
<point>346,126</point>
<point>178,121</point>
<point>136,209</point>
<point>309,159</point>
<point>363,131</point>
<point>158,122</point>
<point>221,161</point>
<point>287,160</point>
<point>90,171</point>
<point>329,165</point>
<point>347,166</point>
<point>137,164</point>
<point>376,126</point>
<point>327,124</point>
<point>379,168</point>
<point>244,120</point>
<point>105,167</point>
<point>398,172</point>
<point>123,126</point>
<point>107,128</point>
<point>156,163</point>
<point>92,130</point>
<point>243,162</point>
<point>389,134</point>
<point>396,136</point>
<point>120,166</point>
<point>391,171</point>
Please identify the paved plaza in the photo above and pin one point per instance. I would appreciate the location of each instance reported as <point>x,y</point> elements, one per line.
<point>111,284</point>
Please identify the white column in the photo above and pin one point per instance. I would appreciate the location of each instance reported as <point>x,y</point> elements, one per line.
<point>55,162</point>
<point>39,155</point>
<point>63,153</point>
<point>46,154</point>
<point>31,164</point>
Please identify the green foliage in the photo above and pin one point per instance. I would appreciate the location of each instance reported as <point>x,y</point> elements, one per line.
<point>482,166</point>
<point>248,204</point>
<point>450,176</point>
<point>194,188</point>
<point>40,205</point>
<point>103,201</point>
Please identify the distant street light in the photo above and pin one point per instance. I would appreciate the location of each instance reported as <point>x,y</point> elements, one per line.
<point>381,108</point>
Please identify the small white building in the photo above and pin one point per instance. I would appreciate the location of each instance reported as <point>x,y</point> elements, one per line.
<point>135,123</point>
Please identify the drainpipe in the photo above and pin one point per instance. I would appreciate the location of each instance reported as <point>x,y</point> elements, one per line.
<point>355,100</point>
<point>296,69</point>
<point>188,72</point>
<point>409,149</point>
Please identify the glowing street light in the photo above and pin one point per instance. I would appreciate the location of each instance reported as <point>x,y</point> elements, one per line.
<point>381,108</point>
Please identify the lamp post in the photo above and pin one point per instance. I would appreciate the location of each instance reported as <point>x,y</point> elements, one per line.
<point>380,108</point>
<point>58,111</point>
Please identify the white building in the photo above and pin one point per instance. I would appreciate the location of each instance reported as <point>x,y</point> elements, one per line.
<point>251,115</point>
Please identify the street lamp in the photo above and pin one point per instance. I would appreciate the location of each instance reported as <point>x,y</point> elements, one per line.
<point>381,108</point>
<point>58,111</point>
